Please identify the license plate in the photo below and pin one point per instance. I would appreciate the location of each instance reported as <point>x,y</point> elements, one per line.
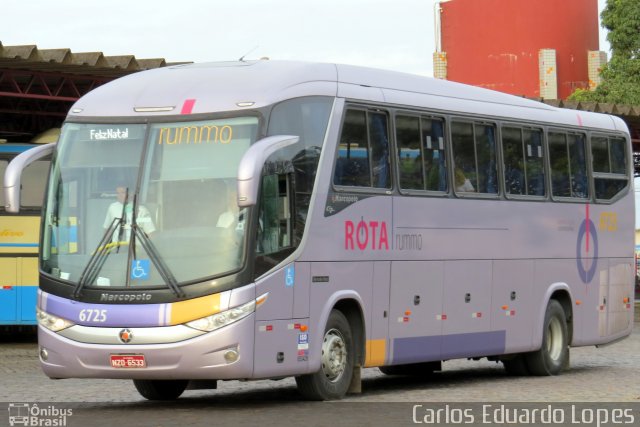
<point>128,361</point>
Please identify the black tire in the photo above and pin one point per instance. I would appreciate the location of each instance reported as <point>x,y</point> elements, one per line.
<point>426,369</point>
<point>160,389</point>
<point>516,365</point>
<point>553,356</point>
<point>334,377</point>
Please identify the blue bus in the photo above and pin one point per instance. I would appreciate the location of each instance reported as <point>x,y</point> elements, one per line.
<point>19,241</point>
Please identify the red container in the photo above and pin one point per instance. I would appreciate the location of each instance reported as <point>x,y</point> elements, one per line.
<point>495,43</point>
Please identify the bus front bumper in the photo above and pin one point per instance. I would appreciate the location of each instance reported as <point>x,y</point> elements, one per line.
<point>226,353</point>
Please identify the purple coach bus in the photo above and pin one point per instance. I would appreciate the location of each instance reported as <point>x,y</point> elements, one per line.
<point>265,219</point>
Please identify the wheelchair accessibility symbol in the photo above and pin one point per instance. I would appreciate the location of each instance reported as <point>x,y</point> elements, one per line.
<point>140,269</point>
<point>289,276</point>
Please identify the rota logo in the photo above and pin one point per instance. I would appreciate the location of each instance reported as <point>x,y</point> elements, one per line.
<point>366,235</point>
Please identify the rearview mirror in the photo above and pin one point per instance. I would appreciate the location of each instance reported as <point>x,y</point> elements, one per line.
<point>13,174</point>
<point>251,166</point>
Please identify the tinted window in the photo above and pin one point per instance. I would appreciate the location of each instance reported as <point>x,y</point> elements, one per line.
<point>363,152</point>
<point>410,153</point>
<point>307,118</point>
<point>534,155</point>
<point>421,153</point>
<point>608,156</point>
<point>523,161</point>
<point>513,153</point>
<point>474,151</point>
<point>568,165</point>
<point>434,154</point>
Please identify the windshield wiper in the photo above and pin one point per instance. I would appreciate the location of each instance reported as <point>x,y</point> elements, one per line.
<point>153,253</point>
<point>158,261</point>
<point>99,256</point>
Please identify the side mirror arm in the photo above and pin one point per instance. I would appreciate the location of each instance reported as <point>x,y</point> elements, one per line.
<point>13,174</point>
<point>249,171</point>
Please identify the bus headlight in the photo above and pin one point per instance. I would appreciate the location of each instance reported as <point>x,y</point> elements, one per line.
<point>218,320</point>
<point>51,322</point>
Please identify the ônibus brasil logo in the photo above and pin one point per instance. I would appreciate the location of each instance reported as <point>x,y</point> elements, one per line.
<point>31,415</point>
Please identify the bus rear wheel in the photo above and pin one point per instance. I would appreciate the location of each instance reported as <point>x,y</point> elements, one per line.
<point>334,377</point>
<point>160,389</point>
<point>553,356</point>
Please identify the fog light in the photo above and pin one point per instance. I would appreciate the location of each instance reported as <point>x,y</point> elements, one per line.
<point>44,354</point>
<point>231,356</point>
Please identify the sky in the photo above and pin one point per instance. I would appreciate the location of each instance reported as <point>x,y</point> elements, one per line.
<point>390,34</point>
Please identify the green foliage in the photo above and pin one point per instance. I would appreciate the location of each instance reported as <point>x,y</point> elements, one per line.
<point>621,76</point>
<point>622,19</point>
<point>584,95</point>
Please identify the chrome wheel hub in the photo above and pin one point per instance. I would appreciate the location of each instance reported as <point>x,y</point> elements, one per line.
<point>554,339</point>
<point>334,355</point>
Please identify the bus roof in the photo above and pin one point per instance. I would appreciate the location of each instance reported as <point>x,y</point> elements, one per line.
<point>236,86</point>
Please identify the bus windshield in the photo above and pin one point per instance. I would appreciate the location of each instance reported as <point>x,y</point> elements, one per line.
<point>137,205</point>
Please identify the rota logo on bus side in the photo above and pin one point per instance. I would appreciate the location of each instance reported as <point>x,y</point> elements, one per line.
<point>365,235</point>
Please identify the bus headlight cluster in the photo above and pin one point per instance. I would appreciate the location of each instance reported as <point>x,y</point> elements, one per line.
<point>51,322</point>
<point>218,320</point>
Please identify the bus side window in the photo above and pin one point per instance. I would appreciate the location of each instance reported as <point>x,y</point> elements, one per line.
<point>578,158</point>
<point>514,173</point>
<point>435,162</point>
<point>485,138</point>
<point>523,161</point>
<point>474,149</point>
<point>352,165</point>
<point>567,154</point>
<point>534,164</point>
<point>274,240</point>
<point>379,142</point>
<point>609,165</point>
<point>409,153</point>
<point>363,153</point>
<point>559,159</point>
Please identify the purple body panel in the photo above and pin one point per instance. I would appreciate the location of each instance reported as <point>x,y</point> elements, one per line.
<point>114,315</point>
<point>421,349</point>
<point>198,358</point>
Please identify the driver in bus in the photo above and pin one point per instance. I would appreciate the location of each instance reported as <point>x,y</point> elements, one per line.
<point>115,210</point>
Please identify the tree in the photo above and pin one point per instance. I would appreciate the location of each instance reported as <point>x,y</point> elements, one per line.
<point>621,76</point>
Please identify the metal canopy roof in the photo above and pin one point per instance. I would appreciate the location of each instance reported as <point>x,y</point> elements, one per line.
<point>629,113</point>
<point>38,86</point>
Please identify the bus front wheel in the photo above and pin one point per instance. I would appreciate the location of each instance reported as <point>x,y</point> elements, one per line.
<point>160,389</point>
<point>553,356</point>
<point>334,377</point>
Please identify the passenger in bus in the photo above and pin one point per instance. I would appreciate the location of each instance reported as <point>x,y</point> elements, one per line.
<point>124,204</point>
<point>462,182</point>
<point>230,218</point>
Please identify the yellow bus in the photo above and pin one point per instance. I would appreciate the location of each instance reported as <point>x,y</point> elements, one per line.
<point>19,237</point>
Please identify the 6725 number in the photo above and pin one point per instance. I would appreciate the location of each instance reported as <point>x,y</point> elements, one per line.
<point>92,315</point>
